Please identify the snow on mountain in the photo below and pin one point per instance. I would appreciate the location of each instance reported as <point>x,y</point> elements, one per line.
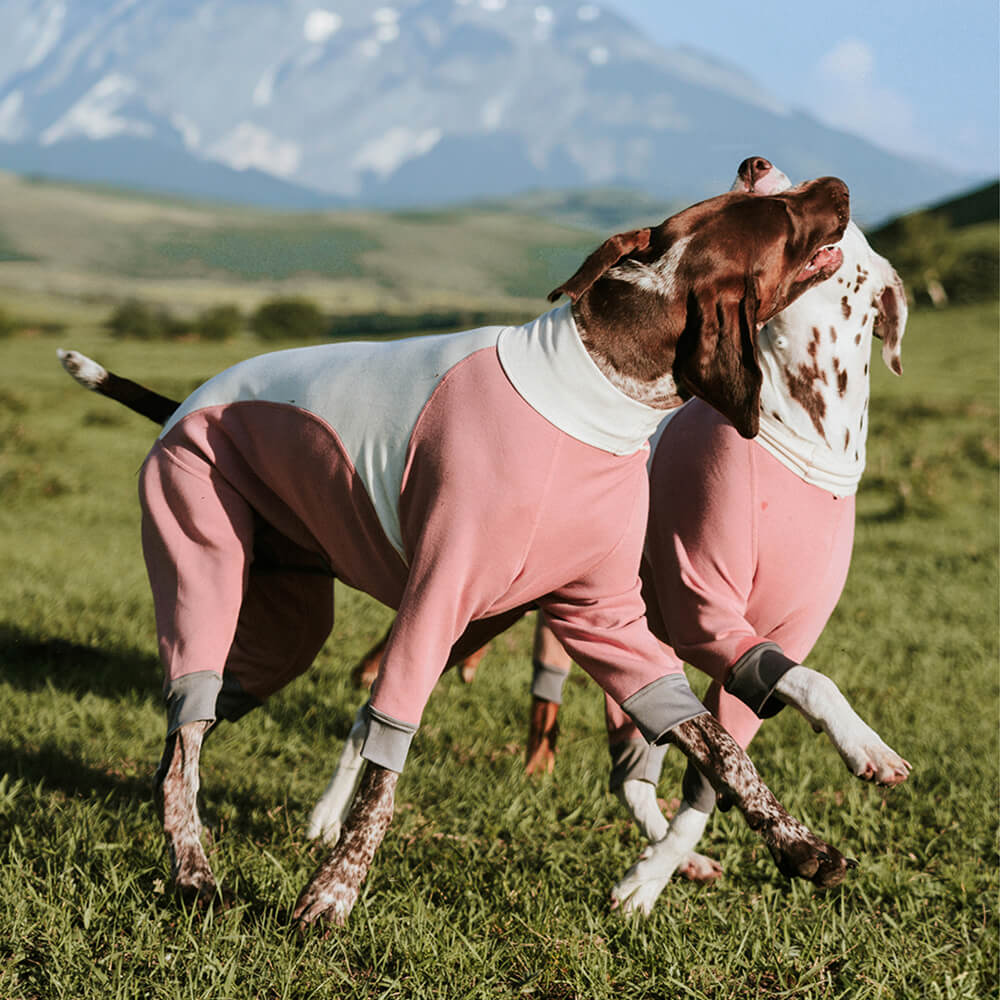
<point>410,102</point>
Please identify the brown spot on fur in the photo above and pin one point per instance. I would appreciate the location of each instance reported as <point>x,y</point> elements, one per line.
<point>333,889</point>
<point>800,388</point>
<point>795,849</point>
<point>857,340</point>
<point>866,367</point>
<point>845,307</point>
<point>777,416</point>
<point>847,437</point>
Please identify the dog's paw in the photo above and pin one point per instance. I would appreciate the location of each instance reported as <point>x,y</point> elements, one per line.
<point>798,853</point>
<point>324,900</point>
<point>700,868</point>
<point>869,759</point>
<point>327,831</point>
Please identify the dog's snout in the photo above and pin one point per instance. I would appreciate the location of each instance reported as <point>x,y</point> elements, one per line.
<point>752,169</point>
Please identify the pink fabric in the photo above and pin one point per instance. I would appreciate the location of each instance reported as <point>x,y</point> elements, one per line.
<point>739,551</point>
<point>498,508</point>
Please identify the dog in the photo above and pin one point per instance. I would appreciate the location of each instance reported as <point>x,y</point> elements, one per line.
<point>805,465</point>
<point>445,504</point>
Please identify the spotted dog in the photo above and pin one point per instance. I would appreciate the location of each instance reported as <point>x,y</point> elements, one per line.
<point>448,501</point>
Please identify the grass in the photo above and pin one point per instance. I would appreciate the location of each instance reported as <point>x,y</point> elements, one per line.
<point>490,885</point>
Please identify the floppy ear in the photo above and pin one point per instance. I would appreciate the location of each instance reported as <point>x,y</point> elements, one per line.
<point>716,355</point>
<point>890,319</point>
<point>606,255</point>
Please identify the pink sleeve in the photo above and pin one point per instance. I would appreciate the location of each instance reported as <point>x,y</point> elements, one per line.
<point>702,540</point>
<point>600,618</point>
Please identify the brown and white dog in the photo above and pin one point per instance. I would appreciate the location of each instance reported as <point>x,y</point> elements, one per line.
<point>814,400</point>
<point>685,321</point>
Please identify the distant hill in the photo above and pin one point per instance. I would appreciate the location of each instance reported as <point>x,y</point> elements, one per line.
<point>949,251</point>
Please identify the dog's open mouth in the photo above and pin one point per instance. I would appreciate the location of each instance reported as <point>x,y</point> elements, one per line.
<point>823,263</point>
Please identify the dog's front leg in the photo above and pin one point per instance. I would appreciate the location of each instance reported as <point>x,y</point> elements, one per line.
<point>331,810</point>
<point>333,889</point>
<point>176,793</point>
<point>796,850</point>
<point>819,699</point>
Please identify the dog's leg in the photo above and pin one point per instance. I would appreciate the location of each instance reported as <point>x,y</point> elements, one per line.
<point>543,735</point>
<point>819,699</point>
<point>334,886</point>
<point>796,850</point>
<point>176,793</point>
<point>641,885</point>
<point>330,812</point>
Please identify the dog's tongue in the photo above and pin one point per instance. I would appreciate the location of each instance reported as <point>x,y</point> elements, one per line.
<point>826,259</point>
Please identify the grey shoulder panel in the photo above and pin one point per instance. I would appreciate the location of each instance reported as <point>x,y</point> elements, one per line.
<point>547,682</point>
<point>635,760</point>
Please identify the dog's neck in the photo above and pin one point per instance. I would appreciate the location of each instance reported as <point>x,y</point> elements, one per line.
<point>815,358</point>
<point>632,341</point>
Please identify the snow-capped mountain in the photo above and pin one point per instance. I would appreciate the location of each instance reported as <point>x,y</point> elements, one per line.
<point>416,102</point>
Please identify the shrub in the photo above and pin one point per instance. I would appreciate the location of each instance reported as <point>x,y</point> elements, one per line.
<point>288,319</point>
<point>135,320</point>
<point>219,323</point>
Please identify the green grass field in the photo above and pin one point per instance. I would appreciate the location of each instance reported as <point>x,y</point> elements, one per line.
<point>489,885</point>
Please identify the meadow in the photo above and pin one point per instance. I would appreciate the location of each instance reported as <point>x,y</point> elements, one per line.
<point>489,884</point>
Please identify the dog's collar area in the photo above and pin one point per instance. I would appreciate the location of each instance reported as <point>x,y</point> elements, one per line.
<point>552,371</point>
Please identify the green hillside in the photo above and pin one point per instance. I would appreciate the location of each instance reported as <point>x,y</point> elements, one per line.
<point>949,252</point>
<point>96,245</point>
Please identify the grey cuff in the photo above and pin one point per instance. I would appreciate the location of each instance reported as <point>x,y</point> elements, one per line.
<point>547,682</point>
<point>635,760</point>
<point>697,790</point>
<point>660,706</point>
<point>754,676</point>
<point>388,740</point>
<point>192,698</point>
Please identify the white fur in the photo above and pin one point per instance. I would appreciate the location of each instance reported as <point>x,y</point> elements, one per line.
<point>641,885</point>
<point>658,276</point>
<point>87,372</point>
<point>328,816</point>
<point>819,699</point>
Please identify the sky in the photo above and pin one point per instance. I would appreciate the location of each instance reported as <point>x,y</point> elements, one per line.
<point>914,76</point>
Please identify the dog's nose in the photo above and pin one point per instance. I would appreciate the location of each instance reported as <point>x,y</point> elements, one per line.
<point>752,169</point>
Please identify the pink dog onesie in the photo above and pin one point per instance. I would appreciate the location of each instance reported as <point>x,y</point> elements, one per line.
<point>280,474</point>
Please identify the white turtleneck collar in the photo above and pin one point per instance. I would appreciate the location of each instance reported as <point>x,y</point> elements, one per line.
<point>552,371</point>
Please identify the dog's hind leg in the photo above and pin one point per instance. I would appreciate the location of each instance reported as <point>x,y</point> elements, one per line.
<point>331,810</point>
<point>176,792</point>
<point>819,699</point>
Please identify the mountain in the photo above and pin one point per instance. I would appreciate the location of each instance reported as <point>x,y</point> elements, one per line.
<point>414,103</point>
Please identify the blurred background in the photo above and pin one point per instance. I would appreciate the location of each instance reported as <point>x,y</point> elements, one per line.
<point>379,168</point>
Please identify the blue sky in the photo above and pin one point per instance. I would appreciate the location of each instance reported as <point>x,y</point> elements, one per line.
<point>914,76</point>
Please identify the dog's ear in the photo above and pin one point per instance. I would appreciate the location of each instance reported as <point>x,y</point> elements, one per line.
<point>716,355</point>
<point>606,255</point>
<point>890,319</point>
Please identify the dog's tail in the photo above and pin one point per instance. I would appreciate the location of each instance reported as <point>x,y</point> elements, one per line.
<point>136,397</point>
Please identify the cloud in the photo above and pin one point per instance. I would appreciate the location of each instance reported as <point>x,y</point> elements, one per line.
<point>851,97</point>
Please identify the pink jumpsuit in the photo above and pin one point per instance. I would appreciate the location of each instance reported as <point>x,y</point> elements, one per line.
<point>740,552</point>
<point>457,479</point>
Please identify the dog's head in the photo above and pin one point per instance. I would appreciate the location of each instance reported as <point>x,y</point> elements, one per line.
<point>693,292</point>
<point>758,176</point>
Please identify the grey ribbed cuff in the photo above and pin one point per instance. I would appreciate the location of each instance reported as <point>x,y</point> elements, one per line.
<point>635,760</point>
<point>388,740</point>
<point>753,677</point>
<point>697,790</point>
<point>547,682</point>
<point>204,695</point>
<point>192,698</point>
<point>660,706</point>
